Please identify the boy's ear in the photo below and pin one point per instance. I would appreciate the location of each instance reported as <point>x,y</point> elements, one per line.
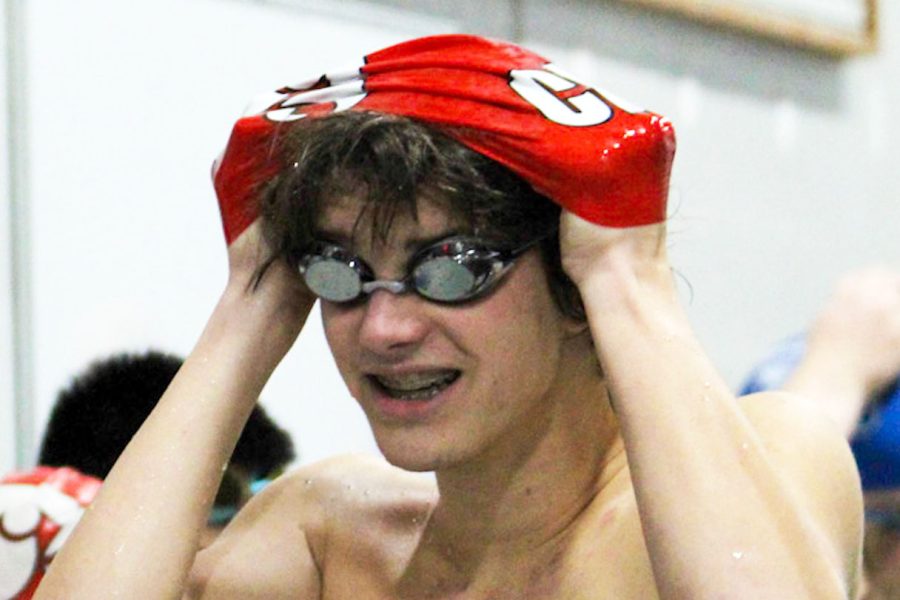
<point>575,327</point>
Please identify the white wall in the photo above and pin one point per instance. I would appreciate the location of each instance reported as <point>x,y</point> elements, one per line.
<point>7,405</point>
<point>783,177</point>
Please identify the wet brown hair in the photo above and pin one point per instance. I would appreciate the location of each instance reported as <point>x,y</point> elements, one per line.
<point>391,162</point>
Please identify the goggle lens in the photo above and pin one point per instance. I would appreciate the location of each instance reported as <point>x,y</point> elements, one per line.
<point>332,279</point>
<point>444,279</point>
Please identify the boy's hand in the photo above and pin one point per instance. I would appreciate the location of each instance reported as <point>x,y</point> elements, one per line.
<point>590,250</point>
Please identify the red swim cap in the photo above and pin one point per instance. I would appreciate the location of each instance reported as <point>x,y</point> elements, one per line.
<point>607,164</point>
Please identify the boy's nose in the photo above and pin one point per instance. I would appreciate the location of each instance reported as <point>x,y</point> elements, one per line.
<point>392,321</point>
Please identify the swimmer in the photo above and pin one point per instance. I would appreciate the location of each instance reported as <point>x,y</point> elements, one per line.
<point>849,365</point>
<point>486,237</point>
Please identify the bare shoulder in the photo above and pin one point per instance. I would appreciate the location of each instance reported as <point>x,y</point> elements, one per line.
<point>275,547</point>
<point>805,445</point>
<point>815,459</point>
<point>799,435</point>
<point>339,472</point>
<point>356,490</point>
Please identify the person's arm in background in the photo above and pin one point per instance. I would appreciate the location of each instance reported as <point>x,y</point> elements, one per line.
<point>730,502</point>
<point>140,536</point>
<point>853,348</point>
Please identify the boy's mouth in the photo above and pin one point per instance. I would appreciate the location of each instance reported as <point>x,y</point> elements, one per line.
<point>415,386</point>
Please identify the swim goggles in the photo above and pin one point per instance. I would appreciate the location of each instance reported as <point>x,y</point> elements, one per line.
<point>887,519</point>
<point>454,270</point>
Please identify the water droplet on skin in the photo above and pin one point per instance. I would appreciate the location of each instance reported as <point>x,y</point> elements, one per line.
<point>745,446</point>
<point>308,482</point>
<point>737,555</point>
<point>707,384</point>
<point>366,492</point>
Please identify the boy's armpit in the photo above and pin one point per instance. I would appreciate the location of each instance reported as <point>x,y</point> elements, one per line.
<point>276,546</point>
<point>255,568</point>
<point>267,550</point>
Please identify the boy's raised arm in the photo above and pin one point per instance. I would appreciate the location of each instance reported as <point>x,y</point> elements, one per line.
<point>139,537</point>
<point>734,503</point>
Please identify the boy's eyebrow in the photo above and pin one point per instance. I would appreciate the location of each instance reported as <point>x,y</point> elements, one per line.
<point>336,237</point>
<point>413,244</point>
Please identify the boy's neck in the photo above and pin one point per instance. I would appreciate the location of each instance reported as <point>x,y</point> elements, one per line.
<point>529,492</point>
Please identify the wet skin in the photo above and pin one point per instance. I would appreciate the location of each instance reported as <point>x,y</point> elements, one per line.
<point>532,496</point>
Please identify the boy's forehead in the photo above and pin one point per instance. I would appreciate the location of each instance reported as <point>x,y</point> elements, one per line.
<point>351,220</point>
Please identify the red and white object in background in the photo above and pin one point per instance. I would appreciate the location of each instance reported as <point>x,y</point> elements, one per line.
<point>38,511</point>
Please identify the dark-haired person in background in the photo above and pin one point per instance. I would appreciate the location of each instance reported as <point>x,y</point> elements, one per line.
<point>90,425</point>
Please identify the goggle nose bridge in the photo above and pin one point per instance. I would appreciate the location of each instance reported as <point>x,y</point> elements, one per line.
<point>394,287</point>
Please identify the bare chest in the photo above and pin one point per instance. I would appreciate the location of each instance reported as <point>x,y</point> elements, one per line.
<point>599,560</point>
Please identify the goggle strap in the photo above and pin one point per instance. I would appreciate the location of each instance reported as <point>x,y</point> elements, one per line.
<point>500,267</point>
